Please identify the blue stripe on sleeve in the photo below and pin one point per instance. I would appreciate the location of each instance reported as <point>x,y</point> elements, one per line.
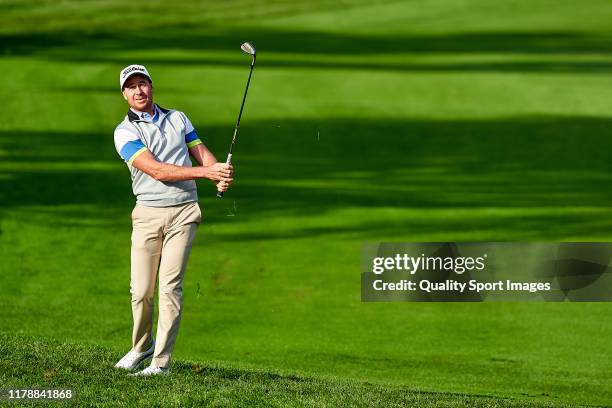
<point>191,136</point>
<point>131,147</point>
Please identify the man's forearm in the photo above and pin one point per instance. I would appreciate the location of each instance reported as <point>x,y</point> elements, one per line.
<point>202,155</point>
<point>147,163</point>
<point>171,172</point>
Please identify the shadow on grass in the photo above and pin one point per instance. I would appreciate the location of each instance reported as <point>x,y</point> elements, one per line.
<point>309,42</point>
<point>234,373</point>
<point>78,46</point>
<point>531,167</point>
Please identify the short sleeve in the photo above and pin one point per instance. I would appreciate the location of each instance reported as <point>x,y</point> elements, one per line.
<point>191,136</point>
<point>128,144</point>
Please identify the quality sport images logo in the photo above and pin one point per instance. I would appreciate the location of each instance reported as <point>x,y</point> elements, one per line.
<point>486,271</point>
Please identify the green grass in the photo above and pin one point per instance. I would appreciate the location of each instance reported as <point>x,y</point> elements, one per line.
<point>88,371</point>
<point>430,120</point>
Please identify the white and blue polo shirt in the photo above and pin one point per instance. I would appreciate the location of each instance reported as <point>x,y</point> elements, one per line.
<point>168,135</point>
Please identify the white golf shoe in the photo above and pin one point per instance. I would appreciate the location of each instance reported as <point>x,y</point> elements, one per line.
<point>133,358</point>
<point>151,370</point>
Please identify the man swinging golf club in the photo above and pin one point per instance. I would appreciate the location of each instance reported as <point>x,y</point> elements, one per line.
<point>156,144</point>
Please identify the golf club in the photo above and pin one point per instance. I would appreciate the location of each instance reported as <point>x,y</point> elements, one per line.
<point>247,48</point>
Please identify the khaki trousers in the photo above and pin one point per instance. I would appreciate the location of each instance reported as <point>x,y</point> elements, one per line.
<point>161,242</point>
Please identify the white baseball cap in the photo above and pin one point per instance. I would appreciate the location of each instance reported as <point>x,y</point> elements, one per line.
<point>132,70</point>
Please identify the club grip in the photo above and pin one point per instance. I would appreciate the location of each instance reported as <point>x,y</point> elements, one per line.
<point>228,161</point>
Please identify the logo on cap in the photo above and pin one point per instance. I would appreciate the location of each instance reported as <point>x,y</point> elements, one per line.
<point>132,69</point>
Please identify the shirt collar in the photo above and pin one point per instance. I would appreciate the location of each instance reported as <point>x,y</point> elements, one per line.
<point>145,115</point>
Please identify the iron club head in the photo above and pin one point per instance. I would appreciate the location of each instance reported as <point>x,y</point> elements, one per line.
<point>248,48</point>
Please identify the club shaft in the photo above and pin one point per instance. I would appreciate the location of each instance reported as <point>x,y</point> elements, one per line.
<point>246,90</point>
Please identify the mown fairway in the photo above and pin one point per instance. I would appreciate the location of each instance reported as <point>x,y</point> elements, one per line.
<point>428,120</point>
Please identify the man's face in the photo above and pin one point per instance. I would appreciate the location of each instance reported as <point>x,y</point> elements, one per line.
<point>138,92</point>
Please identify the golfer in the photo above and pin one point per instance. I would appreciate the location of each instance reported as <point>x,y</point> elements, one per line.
<point>156,144</point>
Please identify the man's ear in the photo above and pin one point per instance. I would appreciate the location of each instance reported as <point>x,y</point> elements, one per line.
<point>124,96</point>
